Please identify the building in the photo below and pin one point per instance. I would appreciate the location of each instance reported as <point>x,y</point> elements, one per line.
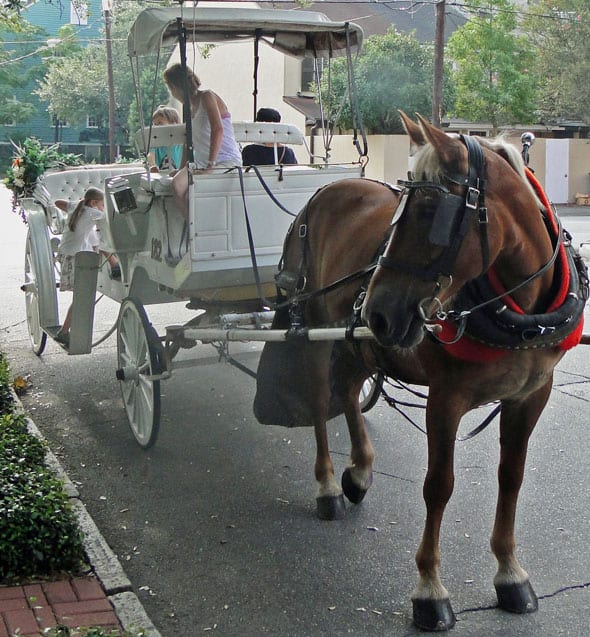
<point>86,18</point>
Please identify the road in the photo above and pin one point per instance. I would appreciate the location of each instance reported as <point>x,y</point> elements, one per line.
<point>215,525</point>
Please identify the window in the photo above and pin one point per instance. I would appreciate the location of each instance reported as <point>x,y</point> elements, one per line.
<point>92,122</point>
<point>78,12</point>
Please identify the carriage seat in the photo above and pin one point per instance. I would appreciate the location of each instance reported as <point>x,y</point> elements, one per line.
<point>71,184</point>
<point>267,133</point>
<point>245,132</point>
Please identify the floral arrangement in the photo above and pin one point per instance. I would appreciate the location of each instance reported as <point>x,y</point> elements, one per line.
<point>30,160</point>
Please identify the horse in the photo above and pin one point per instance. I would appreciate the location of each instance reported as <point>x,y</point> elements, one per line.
<point>469,286</point>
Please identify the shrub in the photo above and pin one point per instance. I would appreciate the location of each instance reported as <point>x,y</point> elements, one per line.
<point>39,532</point>
<point>6,399</point>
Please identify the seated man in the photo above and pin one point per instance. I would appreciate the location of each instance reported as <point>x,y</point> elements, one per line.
<point>264,154</point>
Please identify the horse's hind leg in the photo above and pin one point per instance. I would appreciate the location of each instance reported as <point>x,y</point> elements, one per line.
<point>329,500</point>
<point>513,588</point>
<point>348,376</point>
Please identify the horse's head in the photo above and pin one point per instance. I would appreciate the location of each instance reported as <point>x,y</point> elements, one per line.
<point>442,237</point>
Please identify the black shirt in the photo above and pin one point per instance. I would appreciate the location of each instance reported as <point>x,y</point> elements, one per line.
<point>257,155</point>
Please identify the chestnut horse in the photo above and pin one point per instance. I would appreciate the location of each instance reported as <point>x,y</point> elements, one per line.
<point>476,294</point>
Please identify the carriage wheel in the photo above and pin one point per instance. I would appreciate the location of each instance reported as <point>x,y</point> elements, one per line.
<point>138,358</point>
<point>31,288</point>
<point>370,392</point>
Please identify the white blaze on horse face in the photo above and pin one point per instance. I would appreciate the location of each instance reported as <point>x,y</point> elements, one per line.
<point>412,159</point>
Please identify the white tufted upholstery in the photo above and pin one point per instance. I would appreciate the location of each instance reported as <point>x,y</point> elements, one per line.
<point>72,183</point>
<point>159,136</point>
<point>267,133</point>
<point>245,132</point>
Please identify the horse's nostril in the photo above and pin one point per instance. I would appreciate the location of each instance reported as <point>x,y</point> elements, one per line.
<point>378,323</point>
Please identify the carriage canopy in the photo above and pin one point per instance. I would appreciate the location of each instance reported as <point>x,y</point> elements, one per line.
<point>297,33</point>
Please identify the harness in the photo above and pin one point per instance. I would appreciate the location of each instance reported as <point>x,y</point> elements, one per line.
<point>484,310</point>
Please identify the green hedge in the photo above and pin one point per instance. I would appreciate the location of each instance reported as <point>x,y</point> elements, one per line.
<point>39,532</point>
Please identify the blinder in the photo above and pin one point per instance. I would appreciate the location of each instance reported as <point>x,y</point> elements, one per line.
<point>451,219</point>
<point>447,218</point>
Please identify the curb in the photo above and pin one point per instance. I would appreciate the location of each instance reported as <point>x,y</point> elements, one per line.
<point>104,562</point>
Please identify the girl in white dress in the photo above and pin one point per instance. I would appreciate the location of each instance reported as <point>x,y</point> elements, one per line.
<point>80,235</point>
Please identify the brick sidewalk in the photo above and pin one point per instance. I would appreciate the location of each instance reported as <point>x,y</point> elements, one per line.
<point>75,602</point>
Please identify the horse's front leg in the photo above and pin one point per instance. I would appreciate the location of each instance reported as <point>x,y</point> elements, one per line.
<point>513,588</point>
<point>329,501</point>
<point>430,599</point>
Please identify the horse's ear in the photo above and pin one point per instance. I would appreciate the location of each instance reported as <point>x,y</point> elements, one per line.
<point>447,148</point>
<point>413,130</point>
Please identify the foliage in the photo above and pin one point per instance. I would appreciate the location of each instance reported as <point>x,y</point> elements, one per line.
<point>39,532</point>
<point>393,72</point>
<point>560,31</point>
<point>13,75</point>
<point>74,85</point>
<point>493,75</point>
<point>6,399</point>
<point>30,160</point>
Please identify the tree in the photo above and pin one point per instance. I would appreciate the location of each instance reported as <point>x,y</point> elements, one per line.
<point>494,67</point>
<point>393,72</point>
<point>560,29</point>
<point>75,85</point>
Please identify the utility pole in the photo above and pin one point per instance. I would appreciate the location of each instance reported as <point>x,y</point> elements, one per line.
<point>108,16</point>
<point>439,56</point>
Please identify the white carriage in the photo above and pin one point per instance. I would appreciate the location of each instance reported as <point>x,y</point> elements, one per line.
<point>222,259</point>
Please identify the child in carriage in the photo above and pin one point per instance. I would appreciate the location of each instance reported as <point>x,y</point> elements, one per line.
<point>80,235</point>
<point>160,158</point>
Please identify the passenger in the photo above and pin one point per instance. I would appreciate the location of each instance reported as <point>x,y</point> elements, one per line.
<point>214,142</point>
<point>80,235</point>
<point>264,154</point>
<point>158,158</point>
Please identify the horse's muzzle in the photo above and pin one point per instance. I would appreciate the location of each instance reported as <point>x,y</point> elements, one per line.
<point>393,324</point>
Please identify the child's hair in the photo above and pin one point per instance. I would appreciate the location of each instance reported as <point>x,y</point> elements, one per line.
<point>92,194</point>
<point>168,113</point>
<point>174,76</point>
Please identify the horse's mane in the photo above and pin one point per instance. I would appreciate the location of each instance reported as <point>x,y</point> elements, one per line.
<point>425,162</point>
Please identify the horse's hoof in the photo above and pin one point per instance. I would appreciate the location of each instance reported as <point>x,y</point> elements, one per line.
<point>517,598</point>
<point>434,615</point>
<point>331,507</point>
<point>352,491</point>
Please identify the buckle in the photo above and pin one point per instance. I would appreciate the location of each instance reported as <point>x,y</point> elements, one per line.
<point>472,198</point>
<point>303,231</point>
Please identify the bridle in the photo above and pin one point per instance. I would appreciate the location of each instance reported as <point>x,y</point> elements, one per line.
<point>450,224</point>
<point>451,220</point>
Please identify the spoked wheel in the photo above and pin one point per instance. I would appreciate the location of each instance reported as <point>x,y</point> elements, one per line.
<point>370,392</point>
<point>31,289</point>
<point>138,359</point>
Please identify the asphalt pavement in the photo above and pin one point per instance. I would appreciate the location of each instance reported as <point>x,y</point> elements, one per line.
<point>215,526</point>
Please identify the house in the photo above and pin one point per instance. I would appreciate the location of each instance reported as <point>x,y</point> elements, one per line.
<point>86,18</point>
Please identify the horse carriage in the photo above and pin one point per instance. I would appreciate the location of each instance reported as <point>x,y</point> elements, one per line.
<point>223,258</point>
<point>461,280</point>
